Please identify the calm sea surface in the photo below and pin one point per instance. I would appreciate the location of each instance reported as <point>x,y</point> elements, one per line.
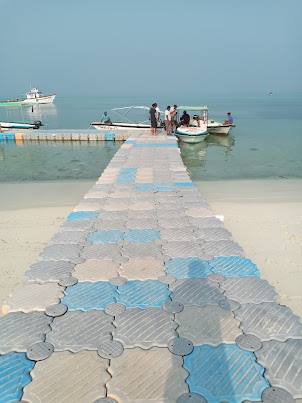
<point>266,143</point>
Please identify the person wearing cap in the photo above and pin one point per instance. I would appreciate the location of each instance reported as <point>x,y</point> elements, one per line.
<point>153,119</point>
<point>229,120</point>
<point>106,118</point>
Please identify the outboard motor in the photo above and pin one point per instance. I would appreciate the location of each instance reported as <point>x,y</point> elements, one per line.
<point>37,124</point>
<point>195,117</point>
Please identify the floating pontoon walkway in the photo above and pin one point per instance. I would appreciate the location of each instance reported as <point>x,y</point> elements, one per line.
<point>142,296</point>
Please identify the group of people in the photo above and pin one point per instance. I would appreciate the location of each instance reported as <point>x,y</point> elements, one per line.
<point>170,118</point>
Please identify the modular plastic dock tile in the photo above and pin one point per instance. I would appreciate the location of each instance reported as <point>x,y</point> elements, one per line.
<point>96,195</point>
<point>208,325</point>
<point>96,270</point>
<point>69,237</point>
<point>142,250</point>
<point>100,251</point>
<point>18,331</point>
<point>141,235</point>
<point>143,294</point>
<point>199,212</point>
<point>223,248</point>
<point>48,272</point>
<point>86,296</point>
<point>234,266</point>
<point>249,289</point>
<point>213,234</point>
<point>283,363</point>
<point>59,252</point>
<point>142,206</point>
<point>113,215</point>
<point>165,214</point>
<point>144,223</point>
<point>113,206</point>
<point>199,292</point>
<point>158,376</point>
<point>142,269</point>
<point>75,225</point>
<point>33,297</point>
<point>90,207</point>
<point>120,195</point>
<point>76,331</point>
<point>208,222</point>
<point>189,267</point>
<point>66,377</point>
<point>177,234</point>
<point>103,224</point>
<point>173,222</point>
<point>142,214</point>
<point>104,237</point>
<point>144,328</point>
<point>82,216</point>
<point>224,373</point>
<point>14,376</point>
<point>183,249</point>
<point>269,321</point>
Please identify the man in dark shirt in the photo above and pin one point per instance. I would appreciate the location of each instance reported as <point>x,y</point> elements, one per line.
<point>153,119</point>
<point>185,119</point>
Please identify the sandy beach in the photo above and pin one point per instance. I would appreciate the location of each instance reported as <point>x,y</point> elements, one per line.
<point>264,216</point>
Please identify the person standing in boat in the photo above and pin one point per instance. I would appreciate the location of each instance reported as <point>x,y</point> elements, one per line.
<point>168,121</point>
<point>106,119</point>
<point>229,120</point>
<point>185,119</point>
<point>153,119</point>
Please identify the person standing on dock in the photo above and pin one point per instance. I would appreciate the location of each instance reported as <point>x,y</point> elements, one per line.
<point>106,118</point>
<point>153,119</point>
<point>173,112</point>
<point>157,111</point>
<point>229,120</point>
<point>168,121</point>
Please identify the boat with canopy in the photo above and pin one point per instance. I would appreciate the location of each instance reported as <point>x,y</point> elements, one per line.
<point>193,133</point>
<point>128,124</point>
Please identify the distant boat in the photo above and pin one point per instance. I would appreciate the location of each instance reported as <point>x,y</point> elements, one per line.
<point>270,93</point>
<point>33,97</point>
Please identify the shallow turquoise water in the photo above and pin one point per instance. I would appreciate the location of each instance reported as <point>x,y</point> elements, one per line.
<point>266,143</point>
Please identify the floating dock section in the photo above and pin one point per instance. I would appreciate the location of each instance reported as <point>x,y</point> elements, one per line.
<point>142,296</point>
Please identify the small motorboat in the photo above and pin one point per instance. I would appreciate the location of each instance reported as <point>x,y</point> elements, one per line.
<point>128,125</point>
<point>13,126</point>
<point>193,133</point>
<point>215,127</point>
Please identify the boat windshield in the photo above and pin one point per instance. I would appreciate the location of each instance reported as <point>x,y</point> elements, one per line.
<point>138,113</point>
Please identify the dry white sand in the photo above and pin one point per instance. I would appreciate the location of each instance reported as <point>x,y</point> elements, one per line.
<point>264,216</point>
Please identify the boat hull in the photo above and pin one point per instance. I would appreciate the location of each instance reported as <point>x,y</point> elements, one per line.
<point>122,126</point>
<point>40,100</point>
<point>191,134</point>
<point>215,127</point>
<point>7,126</point>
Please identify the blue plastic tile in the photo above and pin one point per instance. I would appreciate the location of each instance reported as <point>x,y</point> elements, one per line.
<point>143,294</point>
<point>225,373</point>
<point>14,376</point>
<point>112,236</point>
<point>129,142</point>
<point>234,266</point>
<point>142,235</point>
<point>143,187</point>
<point>184,184</point>
<point>83,215</point>
<point>189,267</point>
<point>129,170</point>
<point>86,296</point>
<point>125,180</point>
<point>164,189</point>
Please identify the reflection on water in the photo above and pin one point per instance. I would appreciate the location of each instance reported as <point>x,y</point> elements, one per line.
<point>48,112</point>
<point>194,155</point>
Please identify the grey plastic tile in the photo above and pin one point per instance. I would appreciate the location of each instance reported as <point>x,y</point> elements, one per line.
<point>208,222</point>
<point>142,250</point>
<point>68,237</point>
<point>199,292</point>
<point>276,395</point>
<point>183,249</point>
<point>249,289</point>
<point>173,222</point>
<point>110,349</point>
<point>191,398</point>
<point>223,248</point>
<point>213,234</point>
<point>76,331</point>
<point>39,351</point>
<point>47,272</point>
<point>144,328</point>
<point>99,251</point>
<point>107,225</point>
<point>144,223</point>
<point>56,310</point>
<point>77,226</point>
<point>169,214</point>
<point>229,304</point>
<point>177,234</point>
<point>96,270</point>
<point>142,214</point>
<point>282,362</point>
<point>180,346</point>
<point>18,331</point>
<point>199,212</point>
<point>248,342</point>
<point>68,281</point>
<point>60,252</point>
<point>269,321</point>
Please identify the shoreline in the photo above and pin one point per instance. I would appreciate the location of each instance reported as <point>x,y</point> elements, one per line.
<point>264,216</point>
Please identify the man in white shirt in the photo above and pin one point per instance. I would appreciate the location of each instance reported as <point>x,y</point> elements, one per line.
<point>157,112</point>
<point>168,121</point>
<point>173,112</point>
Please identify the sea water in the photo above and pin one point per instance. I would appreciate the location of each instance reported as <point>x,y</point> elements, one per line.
<point>266,142</point>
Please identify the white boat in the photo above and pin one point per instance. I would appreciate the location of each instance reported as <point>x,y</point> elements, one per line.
<point>193,133</point>
<point>10,125</point>
<point>128,125</point>
<point>35,96</point>
<point>215,127</point>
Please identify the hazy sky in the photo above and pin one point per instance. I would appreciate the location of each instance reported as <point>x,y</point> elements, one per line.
<point>148,47</point>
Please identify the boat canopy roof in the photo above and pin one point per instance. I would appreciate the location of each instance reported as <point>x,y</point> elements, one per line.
<point>146,108</point>
<point>192,108</point>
